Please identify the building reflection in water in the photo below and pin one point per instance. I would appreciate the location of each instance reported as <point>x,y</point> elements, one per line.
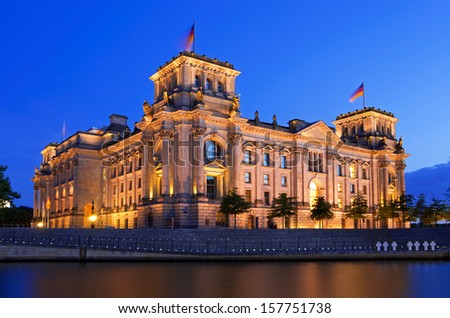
<point>253,279</point>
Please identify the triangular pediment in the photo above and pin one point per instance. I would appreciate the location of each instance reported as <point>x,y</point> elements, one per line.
<point>215,164</point>
<point>318,131</point>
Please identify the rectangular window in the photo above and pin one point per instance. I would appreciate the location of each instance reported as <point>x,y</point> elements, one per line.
<point>130,201</point>
<point>121,187</point>
<point>353,171</point>
<point>364,189</point>
<point>130,185</point>
<point>266,179</point>
<point>267,198</point>
<point>352,188</point>
<point>339,203</point>
<point>121,202</point>
<point>114,189</point>
<point>339,171</point>
<point>248,195</point>
<point>139,183</point>
<point>121,170</point>
<point>211,187</point>
<point>339,187</point>
<point>248,177</point>
<point>266,159</point>
<point>247,156</point>
<point>139,165</point>
<point>364,173</point>
<point>113,172</point>
<point>139,197</point>
<point>283,162</point>
<point>310,161</point>
<point>130,166</point>
<point>283,181</point>
<point>135,223</point>
<point>320,163</point>
<point>126,223</point>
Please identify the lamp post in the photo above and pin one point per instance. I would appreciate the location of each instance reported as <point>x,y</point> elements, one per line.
<point>93,217</point>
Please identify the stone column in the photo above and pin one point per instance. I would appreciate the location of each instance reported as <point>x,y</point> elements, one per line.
<point>235,178</point>
<point>166,134</point>
<point>36,211</point>
<point>259,179</point>
<point>384,180</point>
<point>400,167</point>
<point>199,174</point>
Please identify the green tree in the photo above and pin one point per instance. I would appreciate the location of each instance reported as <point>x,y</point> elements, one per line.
<point>435,212</point>
<point>419,209</point>
<point>404,204</point>
<point>358,208</point>
<point>321,210</point>
<point>7,195</point>
<point>387,210</point>
<point>13,216</point>
<point>283,207</point>
<point>234,204</point>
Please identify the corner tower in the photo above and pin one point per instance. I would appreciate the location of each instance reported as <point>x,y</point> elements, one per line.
<point>189,79</point>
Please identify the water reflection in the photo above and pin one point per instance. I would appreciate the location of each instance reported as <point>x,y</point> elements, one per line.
<point>288,279</point>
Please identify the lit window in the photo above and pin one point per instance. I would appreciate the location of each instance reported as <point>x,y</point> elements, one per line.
<point>208,84</point>
<point>283,181</point>
<point>266,179</point>
<point>364,189</point>
<point>219,87</point>
<point>352,188</point>
<point>248,177</point>
<point>352,170</point>
<point>339,203</point>
<point>339,187</point>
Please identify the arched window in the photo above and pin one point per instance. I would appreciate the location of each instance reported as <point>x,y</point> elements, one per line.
<point>219,87</point>
<point>208,84</point>
<point>197,81</point>
<point>212,150</point>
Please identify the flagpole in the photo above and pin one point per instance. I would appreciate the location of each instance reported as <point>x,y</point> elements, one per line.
<point>193,41</point>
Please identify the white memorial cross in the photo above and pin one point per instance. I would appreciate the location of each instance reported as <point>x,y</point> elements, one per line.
<point>394,246</point>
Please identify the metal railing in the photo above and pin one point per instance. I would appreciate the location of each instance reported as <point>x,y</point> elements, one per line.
<point>214,246</point>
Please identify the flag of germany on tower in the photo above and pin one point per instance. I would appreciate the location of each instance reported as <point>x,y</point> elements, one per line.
<point>190,40</point>
<point>358,93</point>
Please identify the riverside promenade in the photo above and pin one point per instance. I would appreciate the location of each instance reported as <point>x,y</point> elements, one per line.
<point>222,244</point>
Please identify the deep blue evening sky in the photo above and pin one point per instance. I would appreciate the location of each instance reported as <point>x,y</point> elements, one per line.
<point>80,61</point>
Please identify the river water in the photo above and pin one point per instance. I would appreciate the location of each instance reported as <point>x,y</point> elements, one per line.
<point>252,279</point>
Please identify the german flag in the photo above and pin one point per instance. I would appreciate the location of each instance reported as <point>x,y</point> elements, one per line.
<point>358,93</point>
<point>190,40</point>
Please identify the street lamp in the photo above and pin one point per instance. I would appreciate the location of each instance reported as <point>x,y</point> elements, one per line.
<point>93,218</point>
<point>40,225</point>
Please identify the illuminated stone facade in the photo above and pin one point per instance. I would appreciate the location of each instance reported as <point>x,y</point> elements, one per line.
<point>192,146</point>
